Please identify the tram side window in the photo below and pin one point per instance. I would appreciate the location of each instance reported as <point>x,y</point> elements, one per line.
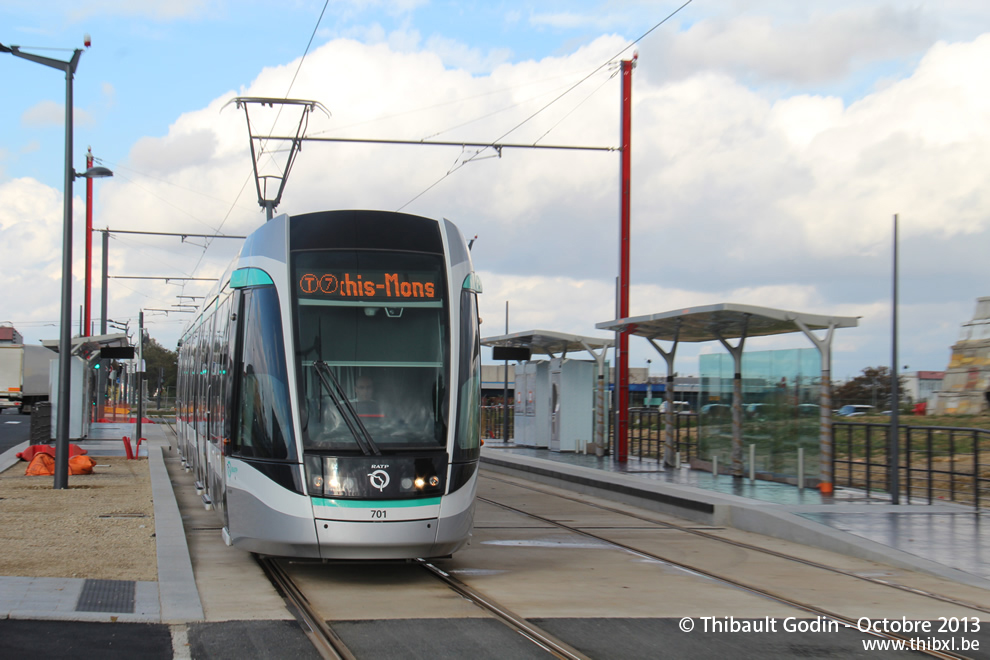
<point>468,444</point>
<point>265,423</point>
<point>219,372</point>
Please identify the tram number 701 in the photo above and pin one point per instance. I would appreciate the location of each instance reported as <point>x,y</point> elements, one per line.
<point>379,514</point>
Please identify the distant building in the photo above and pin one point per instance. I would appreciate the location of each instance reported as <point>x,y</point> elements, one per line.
<point>967,377</point>
<point>921,385</point>
<point>8,335</point>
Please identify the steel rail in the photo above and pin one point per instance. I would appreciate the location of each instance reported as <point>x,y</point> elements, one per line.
<point>784,600</point>
<point>328,644</point>
<point>747,546</point>
<point>533,633</point>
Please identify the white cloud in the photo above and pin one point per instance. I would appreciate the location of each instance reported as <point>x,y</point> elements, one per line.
<point>50,113</point>
<point>810,47</point>
<point>31,219</point>
<point>738,195</point>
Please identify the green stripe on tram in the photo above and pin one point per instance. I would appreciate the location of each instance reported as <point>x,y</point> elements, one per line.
<point>243,277</point>
<point>375,504</point>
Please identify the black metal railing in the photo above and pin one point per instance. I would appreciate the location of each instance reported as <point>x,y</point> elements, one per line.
<point>493,420</point>
<point>646,436</point>
<point>936,463</point>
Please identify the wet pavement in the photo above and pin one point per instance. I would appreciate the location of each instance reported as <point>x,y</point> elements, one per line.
<point>947,534</point>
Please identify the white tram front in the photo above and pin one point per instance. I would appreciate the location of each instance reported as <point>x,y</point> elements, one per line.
<point>329,389</point>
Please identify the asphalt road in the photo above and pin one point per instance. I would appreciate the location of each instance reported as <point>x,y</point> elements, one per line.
<point>14,428</point>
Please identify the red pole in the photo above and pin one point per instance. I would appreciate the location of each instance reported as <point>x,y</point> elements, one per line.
<point>89,244</point>
<point>622,427</point>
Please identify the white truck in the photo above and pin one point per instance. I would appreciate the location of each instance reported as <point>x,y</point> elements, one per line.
<point>24,379</point>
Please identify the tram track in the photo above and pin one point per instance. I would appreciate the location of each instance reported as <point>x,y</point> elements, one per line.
<point>330,645</point>
<point>814,610</point>
<point>755,548</point>
<point>327,643</point>
<point>535,634</point>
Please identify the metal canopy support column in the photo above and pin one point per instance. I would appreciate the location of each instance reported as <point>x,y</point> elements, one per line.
<point>668,395</point>
<point>599,399</point>
<point>826,449</point>
<point>737,441</point>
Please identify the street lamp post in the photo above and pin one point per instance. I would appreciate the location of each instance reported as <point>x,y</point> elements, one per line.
<point>65,336</point>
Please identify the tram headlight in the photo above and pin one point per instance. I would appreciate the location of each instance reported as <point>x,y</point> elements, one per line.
<point>434,481</point>
<point>420,482</point>
<point>314,475</point>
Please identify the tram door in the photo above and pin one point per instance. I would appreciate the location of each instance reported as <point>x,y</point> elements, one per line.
<point>203,417</point>
<point>219,356</point>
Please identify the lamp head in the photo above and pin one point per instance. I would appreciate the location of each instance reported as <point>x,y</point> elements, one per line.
<point>97,172</point>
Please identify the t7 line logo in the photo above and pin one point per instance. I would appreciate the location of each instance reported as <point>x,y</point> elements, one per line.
<point>379,479</point>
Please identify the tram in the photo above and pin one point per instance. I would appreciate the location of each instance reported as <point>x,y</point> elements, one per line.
<point>329,389</point>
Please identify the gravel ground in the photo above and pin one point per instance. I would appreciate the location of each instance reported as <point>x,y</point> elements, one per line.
<point>101,527</point>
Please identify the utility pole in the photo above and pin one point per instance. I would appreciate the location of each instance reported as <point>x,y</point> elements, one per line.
<point>505,385</point>
<point>139,375</point>
<point>101,380</point>
<point>89,245</point>
<point>622,343</point>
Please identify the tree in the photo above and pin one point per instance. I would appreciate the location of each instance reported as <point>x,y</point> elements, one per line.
<point>158,359</point>
<point>871,388</point>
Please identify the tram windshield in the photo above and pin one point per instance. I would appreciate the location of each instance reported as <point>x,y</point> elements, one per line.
<point>371,338</point>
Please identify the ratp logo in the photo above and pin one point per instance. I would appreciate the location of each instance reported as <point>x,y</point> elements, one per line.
<point>379,479</point>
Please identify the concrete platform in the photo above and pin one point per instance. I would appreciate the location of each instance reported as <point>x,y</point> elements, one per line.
<point>947,540</point>
<point>173,598</point>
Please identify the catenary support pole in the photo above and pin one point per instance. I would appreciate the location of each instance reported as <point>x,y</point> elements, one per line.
<point>505,386</point>
<point>89,246</point>
<point>895,458</point>
<point>139,376</point>
<point>622,380</point>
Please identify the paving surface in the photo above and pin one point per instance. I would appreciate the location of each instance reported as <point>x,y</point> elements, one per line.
<point>214,601</point>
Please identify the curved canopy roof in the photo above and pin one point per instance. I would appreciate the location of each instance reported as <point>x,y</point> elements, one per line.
<point>725,321</point>
<point>554,344</point>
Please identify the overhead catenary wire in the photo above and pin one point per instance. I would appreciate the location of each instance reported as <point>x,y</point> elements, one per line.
<point>562,95</point>
<point>233,204</point>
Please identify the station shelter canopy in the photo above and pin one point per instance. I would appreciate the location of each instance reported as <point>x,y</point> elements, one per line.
<point>559,344</point>
<point>725,321</point>
<point>547,342</point>
<point>89,348</point>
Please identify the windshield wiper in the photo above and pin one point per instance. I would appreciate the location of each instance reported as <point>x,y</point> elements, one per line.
<point>347,412</point>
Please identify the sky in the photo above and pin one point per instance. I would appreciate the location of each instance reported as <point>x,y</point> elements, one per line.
<point>773,142</point>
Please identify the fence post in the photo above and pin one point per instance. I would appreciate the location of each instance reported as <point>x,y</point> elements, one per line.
<point>752,463</point>
<point>800,468</point>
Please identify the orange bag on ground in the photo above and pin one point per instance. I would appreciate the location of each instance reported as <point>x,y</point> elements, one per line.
<point>43,465</point>
<point>81,465</point>
<point>34,450</point>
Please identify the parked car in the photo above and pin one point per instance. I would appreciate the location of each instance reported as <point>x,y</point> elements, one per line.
<point>679,407</point>
<point>809,409</point>
<point>716,411</point>
<point>855,411</point>
<point>757,410</point>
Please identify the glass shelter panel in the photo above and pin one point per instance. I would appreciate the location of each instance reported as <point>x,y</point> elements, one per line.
<point>371,350</point>
<point>781,394</point>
